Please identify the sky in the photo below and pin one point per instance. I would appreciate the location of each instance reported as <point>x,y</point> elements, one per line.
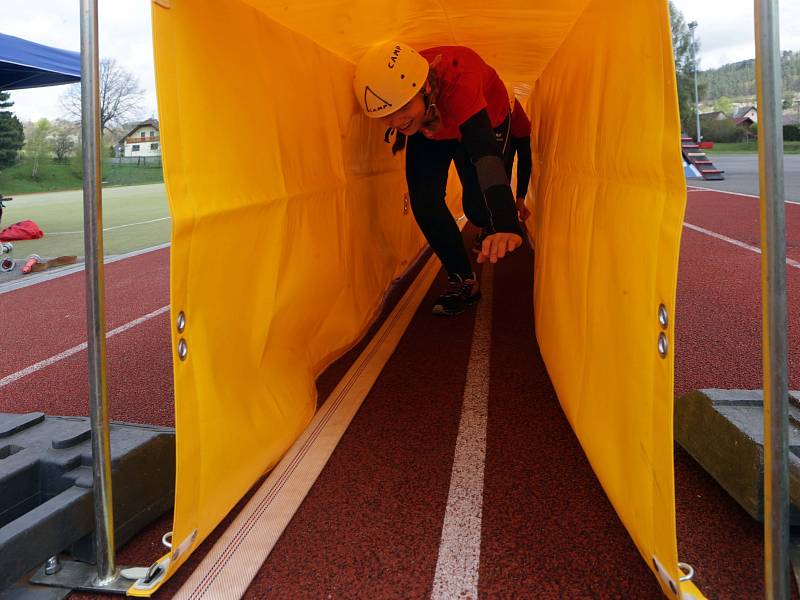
<point>725,31</point>
<point>124,32</point>
<point>725,28</point>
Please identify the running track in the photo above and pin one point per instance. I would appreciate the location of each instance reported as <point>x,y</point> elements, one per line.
<point>371,525</point>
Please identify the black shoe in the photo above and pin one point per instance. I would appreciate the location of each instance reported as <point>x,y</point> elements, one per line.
<point>482,235</point>
<point>460,294</point>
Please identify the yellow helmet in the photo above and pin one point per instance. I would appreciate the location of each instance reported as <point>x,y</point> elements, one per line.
<point>387,77</point>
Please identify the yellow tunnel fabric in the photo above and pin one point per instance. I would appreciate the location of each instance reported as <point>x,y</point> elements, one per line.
<point>609,198</point>
<point>290,222</point>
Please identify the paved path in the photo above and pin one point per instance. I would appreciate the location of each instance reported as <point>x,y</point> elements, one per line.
<point>741,174</point>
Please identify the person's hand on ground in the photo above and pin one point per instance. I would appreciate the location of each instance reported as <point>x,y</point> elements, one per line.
<point>523,211</point>
<point>497,245</point>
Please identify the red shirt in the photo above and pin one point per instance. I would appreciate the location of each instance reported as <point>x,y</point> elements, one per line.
<point>466,85</point>
<point>520,124</point>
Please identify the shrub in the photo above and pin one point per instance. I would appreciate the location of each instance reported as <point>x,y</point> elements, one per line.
<point>723,131</point>
<point>791,133</point>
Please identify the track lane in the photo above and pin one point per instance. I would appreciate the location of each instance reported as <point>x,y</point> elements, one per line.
<point>549,530</point>
<point>718,320</point>
<point>738,217</point>
<point>45,319</point>
<point>139,373</point>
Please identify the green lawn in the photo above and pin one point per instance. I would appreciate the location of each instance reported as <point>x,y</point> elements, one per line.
<point>751,148</point>
<point>134,217</point>
<point>55,176</point>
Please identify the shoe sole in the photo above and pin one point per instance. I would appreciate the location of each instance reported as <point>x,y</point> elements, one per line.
<point>440,311</point>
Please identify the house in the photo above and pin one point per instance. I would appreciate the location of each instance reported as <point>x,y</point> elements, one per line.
<point>717,115</point>
<point>791,118</point>
<point>142,140</point>
<point>745,116</point>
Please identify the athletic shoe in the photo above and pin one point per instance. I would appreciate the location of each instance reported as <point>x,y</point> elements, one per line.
<point>460,294</point>
<point>482,234</point>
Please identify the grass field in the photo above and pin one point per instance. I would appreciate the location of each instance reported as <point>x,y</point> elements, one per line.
<point>751,148</point>
<point>134,217</point>
<point>55,176</point>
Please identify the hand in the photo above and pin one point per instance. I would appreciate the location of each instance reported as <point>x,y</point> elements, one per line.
<point>496,246</point>
<point>523,211</point>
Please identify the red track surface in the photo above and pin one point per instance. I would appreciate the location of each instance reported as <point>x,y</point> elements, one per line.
<point>370,526</point>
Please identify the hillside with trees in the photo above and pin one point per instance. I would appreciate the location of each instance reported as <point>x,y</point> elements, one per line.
<point>739,79</point>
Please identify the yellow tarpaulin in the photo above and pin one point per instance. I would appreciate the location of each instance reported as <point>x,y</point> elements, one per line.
<point>269,162</point>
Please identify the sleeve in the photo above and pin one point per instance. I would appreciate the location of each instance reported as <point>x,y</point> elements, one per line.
<point>524,164</point>
<point>520,123</point>
<point>478,138</point>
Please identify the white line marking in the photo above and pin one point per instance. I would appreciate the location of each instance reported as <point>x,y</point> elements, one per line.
<point>8,379</point>
<point>725,238</point>
<point>705,189</point>
<point>110,228</point>
<point>458,564</point>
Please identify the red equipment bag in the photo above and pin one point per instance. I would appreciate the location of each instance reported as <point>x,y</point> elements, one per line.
<point>24,230</point>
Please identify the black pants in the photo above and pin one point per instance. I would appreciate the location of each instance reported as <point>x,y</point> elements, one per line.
<point>427,164</point>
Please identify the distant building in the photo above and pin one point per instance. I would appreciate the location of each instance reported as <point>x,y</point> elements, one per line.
<point>745,116</point>
<point>717,115</point>
<point>791,118</point>
<point>142,140</point>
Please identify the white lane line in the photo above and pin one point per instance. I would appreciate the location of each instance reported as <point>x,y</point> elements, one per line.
<point>8,379</point>
<point>705,189</point>
<point>110,228</point>
<point>460,549</point>
<point>725,238</point>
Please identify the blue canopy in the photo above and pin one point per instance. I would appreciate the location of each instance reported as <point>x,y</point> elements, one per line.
<point>25,64</point>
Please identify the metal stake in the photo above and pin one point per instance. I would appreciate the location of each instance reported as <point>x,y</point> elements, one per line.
<point>773,295</point>
<point>95,311</point>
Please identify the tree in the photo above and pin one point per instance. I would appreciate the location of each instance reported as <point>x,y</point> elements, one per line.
<point>724,104</point>
<point>11,136</point>
<point>120,96</point>
<point>64,136</point>
<point>38,144</point>
<point>684,58</point>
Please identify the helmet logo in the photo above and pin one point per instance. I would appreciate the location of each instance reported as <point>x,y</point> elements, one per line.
<point>393,57</point>
<point>373,102</point>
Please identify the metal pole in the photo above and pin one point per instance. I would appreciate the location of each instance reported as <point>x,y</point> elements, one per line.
<point>692,27</point>
<point>773,301</point>
<point>95,312</point>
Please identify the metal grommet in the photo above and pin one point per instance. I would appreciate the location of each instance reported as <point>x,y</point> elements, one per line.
<point>181,322</point>
<point>183,349</point>
<point>663,345</point>
<point>663,316</point>
<point>688,571</point>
